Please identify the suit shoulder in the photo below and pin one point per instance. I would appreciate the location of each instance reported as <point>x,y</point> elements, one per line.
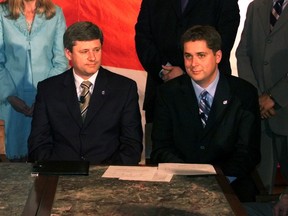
<point>59,10</point>
<point>258,3</point>
<point>241,86</point>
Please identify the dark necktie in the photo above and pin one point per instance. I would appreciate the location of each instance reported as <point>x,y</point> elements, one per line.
<point>183,4</point>
<point>275,13</point>
<point>85,98</point>
<point>204,107</point>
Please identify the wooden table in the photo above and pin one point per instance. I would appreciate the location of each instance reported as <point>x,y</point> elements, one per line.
<point>93,195</point>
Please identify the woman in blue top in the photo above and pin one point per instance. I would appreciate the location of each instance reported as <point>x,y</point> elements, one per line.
<point>31,49</point>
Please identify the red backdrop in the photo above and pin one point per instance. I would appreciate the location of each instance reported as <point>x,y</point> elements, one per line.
<point>116,19</point>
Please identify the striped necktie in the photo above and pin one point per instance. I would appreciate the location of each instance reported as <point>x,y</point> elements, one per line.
<point>204,107</point>
<point>276,11</point>
<point>85,98</point>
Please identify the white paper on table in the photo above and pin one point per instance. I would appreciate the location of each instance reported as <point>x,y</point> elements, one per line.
<point>129,172</point>
<point>137,173</point>
<point>187,169</point>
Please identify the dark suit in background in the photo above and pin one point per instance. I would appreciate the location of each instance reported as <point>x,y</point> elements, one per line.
<point>111,132</point>
<point>159,28</point>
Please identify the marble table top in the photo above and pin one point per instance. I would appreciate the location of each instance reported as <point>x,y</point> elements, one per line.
<point>93,195</point>
<point>15,185</point>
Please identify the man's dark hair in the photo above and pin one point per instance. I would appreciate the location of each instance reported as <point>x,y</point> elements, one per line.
<point>206,33</point>
<point>81,31</point>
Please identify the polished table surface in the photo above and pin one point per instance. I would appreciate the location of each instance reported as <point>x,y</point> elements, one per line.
<point>15,185</point>
<point>94,195</point>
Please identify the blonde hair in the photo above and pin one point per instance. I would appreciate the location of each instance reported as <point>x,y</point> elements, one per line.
<point>46,7</point>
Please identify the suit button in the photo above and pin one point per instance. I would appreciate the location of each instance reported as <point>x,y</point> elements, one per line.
<point>268,41</point>
<point>83,158</point>
<point>266,62</point>
<point>202,147</point>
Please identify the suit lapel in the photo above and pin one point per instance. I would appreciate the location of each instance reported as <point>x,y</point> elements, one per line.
<point>21,24</point>
<point>176,6</point>
<point>100,93</point>
<point>221,101</point>
<point>191,4</point>
<point>71,98</point>
<point>191,102</point>
<point>283,19</point>
<point>38,22</point>
<point>264,15</point>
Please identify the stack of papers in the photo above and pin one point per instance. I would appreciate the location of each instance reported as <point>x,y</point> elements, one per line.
<point>163,173</point>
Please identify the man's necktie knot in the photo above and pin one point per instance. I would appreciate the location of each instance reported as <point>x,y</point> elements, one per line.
<point>276,11</point>
<point>85,98</point>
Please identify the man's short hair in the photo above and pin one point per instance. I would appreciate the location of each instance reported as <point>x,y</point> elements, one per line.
<point>206,33</point>
<point>81,31</point>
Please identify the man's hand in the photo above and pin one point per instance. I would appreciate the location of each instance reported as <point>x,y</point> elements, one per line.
<point>171,72</point>
<point>20,105</point>
<point>266,104</point>
<point>281,207</point>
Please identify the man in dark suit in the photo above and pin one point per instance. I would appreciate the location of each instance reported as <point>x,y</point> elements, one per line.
<point>110,132</point>
<point>159,27</point>
<point>228,136</point>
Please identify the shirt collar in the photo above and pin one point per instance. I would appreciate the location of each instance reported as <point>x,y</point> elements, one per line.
<point>211,89</point>
<point>78,80</point>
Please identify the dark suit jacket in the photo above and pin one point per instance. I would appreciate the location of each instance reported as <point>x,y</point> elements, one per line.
<point>231,138</point>
<point>160,25</point>
<point>111,132</point>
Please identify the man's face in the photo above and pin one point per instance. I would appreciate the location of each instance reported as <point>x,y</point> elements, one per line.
<point>86,57</point>
<point>200,62</point>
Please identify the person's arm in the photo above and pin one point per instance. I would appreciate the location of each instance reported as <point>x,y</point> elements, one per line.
<point>281,207</point>
<point>20,106</point>
<point>59,61</point>
<point>227,26</point>
<point>162,134</point>
<point>267,105</point>
<point>40,143</point>
<point>244,64</point>
<point>276,92</point>
<point>131,129</point>
<point>146,48</point>
<point>7,86</point>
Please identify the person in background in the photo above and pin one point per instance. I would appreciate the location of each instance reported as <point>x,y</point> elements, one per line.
<point>276,208</point>
<point>159,27</point>
<point>262,60</point>
<point>31,49</point>
<point>86,113</point>
<point>207,116</point>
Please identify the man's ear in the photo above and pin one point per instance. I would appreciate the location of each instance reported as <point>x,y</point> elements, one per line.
<point>218,55</point>
<point>68,54</point>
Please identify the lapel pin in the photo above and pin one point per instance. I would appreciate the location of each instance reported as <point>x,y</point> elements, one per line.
<point>103,92</point>
<point>225,102</point>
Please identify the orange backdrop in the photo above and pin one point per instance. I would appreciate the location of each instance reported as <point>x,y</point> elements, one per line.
<point>116,19</point>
